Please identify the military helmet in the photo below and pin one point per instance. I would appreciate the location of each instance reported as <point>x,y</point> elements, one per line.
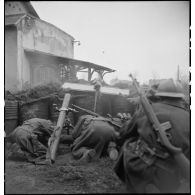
<point>170,88</point>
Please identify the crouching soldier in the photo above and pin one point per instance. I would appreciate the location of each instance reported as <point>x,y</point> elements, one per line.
<point>145,165</point>
<point>32,137</point>
<point>95,137</point>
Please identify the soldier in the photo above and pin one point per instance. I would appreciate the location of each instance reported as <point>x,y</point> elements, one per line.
<point>95,137</point>
<point>32,137</point>
<point>144,164</point>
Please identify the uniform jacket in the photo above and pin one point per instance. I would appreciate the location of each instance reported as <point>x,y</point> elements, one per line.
<point>137,167</point>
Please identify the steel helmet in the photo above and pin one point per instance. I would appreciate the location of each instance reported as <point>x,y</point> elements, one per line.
<point>170,88</point>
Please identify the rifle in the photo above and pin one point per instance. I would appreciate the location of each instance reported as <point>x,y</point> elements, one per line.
<point>96,115</point>
<point>161,128</point>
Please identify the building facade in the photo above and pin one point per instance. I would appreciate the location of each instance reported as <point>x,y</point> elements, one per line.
<point>32,48</point>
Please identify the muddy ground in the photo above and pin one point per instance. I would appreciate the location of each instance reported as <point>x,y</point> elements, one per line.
<point>65,176</point>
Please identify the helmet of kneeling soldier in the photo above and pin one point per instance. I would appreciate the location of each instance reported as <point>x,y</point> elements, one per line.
<point>170,88</point>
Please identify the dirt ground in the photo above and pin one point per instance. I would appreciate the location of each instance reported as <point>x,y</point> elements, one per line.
<point>66,176</point>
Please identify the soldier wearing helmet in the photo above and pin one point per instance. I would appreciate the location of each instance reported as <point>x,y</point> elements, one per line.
<point>170,88</point>
<point>171,92</point>
<point>144,165</point>
<point>32,137</point>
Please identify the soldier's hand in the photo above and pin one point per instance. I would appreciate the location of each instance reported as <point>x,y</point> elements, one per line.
<point>124,116</point>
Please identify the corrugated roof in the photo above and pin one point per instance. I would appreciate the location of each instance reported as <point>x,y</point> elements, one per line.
<point>13,19</point>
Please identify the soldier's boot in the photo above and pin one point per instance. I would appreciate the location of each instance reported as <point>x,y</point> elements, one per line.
<point>112,151</point>
<point>88,156</point>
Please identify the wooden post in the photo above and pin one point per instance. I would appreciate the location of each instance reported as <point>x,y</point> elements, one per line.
<point>89,74</point>
<point>97,95</point>
<point>95,101</point>
<point>55,137</point>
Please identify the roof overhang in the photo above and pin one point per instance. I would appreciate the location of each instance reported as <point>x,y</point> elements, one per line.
<point>13,19</point>
<point>71,61</point>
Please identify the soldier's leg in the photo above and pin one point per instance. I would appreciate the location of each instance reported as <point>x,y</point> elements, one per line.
<point>82,153</point>
<point>23,139</point>
<point>38,148</point>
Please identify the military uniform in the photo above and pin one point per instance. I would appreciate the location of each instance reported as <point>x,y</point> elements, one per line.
<point>144,164</point>
<point>92,136</point>
<point>32,137</point>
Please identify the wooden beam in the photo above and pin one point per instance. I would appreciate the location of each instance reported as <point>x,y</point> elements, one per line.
<point>89,74</point>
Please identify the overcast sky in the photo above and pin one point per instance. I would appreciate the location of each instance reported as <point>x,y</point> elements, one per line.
<point>147,38</point>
